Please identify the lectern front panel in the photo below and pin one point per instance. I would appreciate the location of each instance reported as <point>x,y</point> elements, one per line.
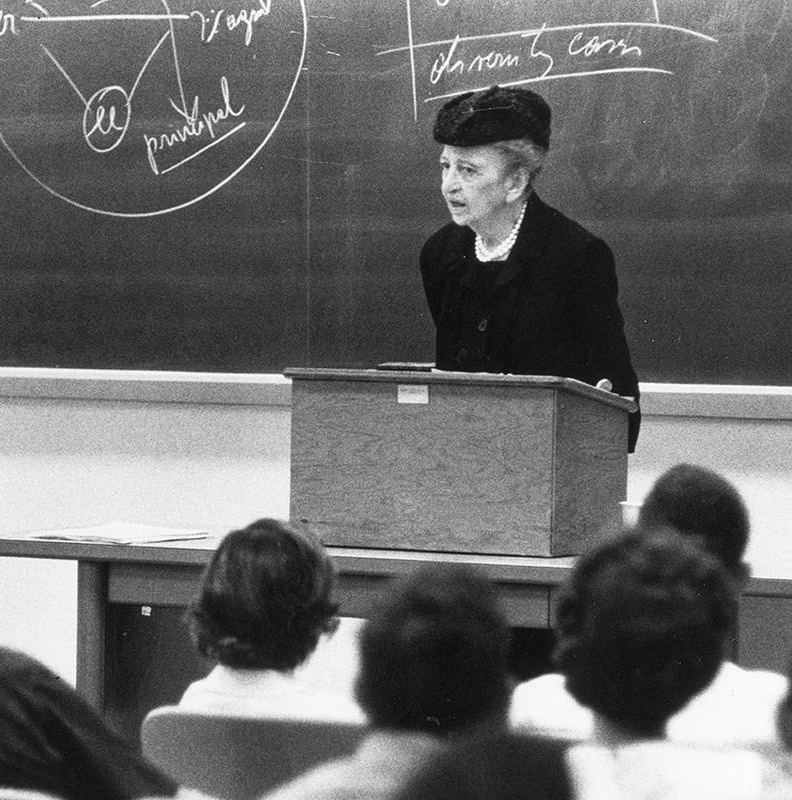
<point>442,467</point>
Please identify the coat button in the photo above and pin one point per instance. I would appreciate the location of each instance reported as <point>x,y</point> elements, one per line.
<point>482,326</point>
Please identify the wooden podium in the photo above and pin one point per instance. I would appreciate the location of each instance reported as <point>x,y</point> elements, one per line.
<point>456,462</point>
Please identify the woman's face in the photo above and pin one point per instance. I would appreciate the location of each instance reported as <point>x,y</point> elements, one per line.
<point>478,188</point>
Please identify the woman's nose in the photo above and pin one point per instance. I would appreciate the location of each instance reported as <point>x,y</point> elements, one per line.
<point>449,183</point>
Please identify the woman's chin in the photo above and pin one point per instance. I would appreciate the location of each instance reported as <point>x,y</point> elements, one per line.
<point>459,217</point>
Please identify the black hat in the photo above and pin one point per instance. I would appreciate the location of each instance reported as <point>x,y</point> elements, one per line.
<point>493,115</point>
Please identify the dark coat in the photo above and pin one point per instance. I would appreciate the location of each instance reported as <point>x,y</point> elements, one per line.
<point>550,309</point>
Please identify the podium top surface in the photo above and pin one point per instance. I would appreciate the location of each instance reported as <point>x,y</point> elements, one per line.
<point>434,376</point>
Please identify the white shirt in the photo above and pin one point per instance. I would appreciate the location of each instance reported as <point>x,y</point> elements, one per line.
<point>244,692</point>
<point>737,708</point>
<point>662,770</point>
<point>321,688</point>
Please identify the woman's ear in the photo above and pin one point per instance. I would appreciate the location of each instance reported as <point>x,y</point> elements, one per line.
<point>518,185</point>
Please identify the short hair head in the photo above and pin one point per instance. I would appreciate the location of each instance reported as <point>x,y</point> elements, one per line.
<point>494,115</point>
<point>264,599</point>
<point>699,502</point>
<point>642,626</point>
<point>433,656</point>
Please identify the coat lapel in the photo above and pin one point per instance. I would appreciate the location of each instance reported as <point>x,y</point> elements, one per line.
<point>456,256</point>
<point>530,242</point>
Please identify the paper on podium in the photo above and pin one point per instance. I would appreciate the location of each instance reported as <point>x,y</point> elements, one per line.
<point>121,533</point>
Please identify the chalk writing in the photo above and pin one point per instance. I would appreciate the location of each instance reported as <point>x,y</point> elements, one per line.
<point>244,19</point>
<point>107,112</point>
<point>7,24</point>
<point>537,53</point>
<point>170,109</point>
<point>447,62</point>
<point>196,124</point>
<point>541,52</point>
<point>593,45</point>
<point>105,120</point>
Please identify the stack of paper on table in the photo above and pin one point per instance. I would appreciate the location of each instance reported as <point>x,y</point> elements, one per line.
<point>121,533</point>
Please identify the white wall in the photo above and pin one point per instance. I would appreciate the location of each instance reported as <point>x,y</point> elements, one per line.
<point>194,451</point>
<point>213,450</point>
<point>743,432</point>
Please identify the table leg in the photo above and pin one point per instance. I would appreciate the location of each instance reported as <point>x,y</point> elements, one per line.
<point>91,625</point>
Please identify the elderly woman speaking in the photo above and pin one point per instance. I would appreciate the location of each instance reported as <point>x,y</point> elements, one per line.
<point>513,285</point>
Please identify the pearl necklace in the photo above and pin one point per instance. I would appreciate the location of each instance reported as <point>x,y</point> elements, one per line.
<point>501,251</point>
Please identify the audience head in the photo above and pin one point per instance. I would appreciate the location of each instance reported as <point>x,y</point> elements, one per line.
<point>641,627</point>
<point>506,766</point>
<point>54,742</point>
<point>433,656</point>
<point>265,598</point>
<point>699,502</point>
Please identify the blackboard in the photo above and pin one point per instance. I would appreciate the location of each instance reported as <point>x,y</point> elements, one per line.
<point>246,186</point>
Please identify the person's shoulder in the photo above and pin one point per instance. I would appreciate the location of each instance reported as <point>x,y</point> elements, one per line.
<point>511,764</point>
<point>734,678</point>
<point>327,780</point>
<point>737,687</point>
<point>553,682</point>
<point>450,235</point>
<point>531,697</point>
<point>777,775</point>
<point>11,659</point>
<point>379,764</point>
<point>21,672</point>
<point>560,222</point>
<point>551,686</point>
<point>442,234</point>
<point>737,708</point>
<point>571,241</point>
<point>207,694</point>
<point>675,770</point>
<point>266,694</point>
<point>544,704</point>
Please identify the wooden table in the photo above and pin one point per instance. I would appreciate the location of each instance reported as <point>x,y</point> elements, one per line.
<point>167,574</point>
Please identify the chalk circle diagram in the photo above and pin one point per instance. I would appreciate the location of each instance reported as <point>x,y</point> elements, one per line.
<point>135,108</point>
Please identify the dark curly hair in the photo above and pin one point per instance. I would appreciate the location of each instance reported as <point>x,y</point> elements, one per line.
<point>265,598</point>
<point>642,625</point>
<point>699,502</point>
<point>433,656</point>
